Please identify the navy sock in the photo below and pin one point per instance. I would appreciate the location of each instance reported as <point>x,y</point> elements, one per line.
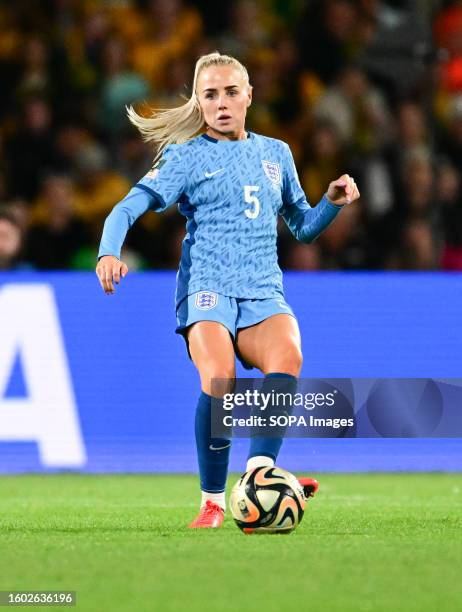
<point>212,453</point>
<point>270,446</point>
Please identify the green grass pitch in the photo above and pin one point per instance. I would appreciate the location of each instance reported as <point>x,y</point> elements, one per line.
<point>367,542</point>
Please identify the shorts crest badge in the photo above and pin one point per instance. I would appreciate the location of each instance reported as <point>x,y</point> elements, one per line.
<point>272,171</point>
<point>206,300</point>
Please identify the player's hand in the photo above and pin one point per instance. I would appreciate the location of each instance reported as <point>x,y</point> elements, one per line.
<point>109,271</point>
<point>342,191</point>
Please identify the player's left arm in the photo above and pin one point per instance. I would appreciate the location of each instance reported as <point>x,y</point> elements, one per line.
<point>307,223</point>
<point>343,191</point>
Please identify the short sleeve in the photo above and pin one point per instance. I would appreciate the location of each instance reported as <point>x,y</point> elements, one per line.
<point>166,180</point>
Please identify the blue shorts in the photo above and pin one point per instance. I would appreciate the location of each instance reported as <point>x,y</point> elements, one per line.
<point>233,313</point>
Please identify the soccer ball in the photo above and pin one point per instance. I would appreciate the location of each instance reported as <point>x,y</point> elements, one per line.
<point>267,500</point>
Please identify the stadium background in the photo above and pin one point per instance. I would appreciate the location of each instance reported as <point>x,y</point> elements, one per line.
<point>365,87</point>
<point>92,383</point>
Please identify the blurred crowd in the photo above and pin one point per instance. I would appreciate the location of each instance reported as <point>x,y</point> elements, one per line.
<point>368,87</point>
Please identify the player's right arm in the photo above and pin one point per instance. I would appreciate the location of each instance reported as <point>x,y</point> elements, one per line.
<point>162,186</point>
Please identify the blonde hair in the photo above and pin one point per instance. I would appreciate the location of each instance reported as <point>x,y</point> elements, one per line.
<point>177,125</point>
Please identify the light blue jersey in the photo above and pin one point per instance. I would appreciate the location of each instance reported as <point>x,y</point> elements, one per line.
<point>231,193</point>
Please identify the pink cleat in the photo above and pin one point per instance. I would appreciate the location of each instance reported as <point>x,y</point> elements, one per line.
<point>310,486</point>
<point>210,516</point>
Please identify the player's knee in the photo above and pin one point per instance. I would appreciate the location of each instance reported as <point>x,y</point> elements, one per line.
<point>292,361</point>
<point>287,359</point>
<point>296,359</point>
<point>222,374</point>
<point>220,370</point>
<point>217,378</point>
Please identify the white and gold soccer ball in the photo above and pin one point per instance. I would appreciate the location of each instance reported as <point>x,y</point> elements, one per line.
<point>267,500</point>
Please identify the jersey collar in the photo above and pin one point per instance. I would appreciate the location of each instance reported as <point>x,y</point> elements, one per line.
<point>215,140</point>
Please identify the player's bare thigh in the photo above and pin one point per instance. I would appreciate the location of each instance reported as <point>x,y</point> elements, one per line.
<point>274,345</point>
<point>212,352</point>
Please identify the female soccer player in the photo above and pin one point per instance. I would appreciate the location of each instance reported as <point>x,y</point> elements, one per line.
<point>230,184</point>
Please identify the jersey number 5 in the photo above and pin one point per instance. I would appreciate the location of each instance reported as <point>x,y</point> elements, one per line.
<point>251,213</point>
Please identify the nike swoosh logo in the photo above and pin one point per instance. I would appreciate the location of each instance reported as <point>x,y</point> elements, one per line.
<point>209,174</point>
<point>219,447</point>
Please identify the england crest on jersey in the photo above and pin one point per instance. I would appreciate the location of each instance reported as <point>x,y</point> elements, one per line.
<point>272,171</point>
<point>206,300</point>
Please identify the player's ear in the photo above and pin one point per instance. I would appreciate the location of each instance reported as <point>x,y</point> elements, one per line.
<point>249,93</point>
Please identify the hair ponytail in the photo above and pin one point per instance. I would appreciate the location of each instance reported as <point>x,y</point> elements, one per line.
<point>177,125</point>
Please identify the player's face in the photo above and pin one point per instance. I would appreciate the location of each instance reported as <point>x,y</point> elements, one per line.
<point>224,96</point>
